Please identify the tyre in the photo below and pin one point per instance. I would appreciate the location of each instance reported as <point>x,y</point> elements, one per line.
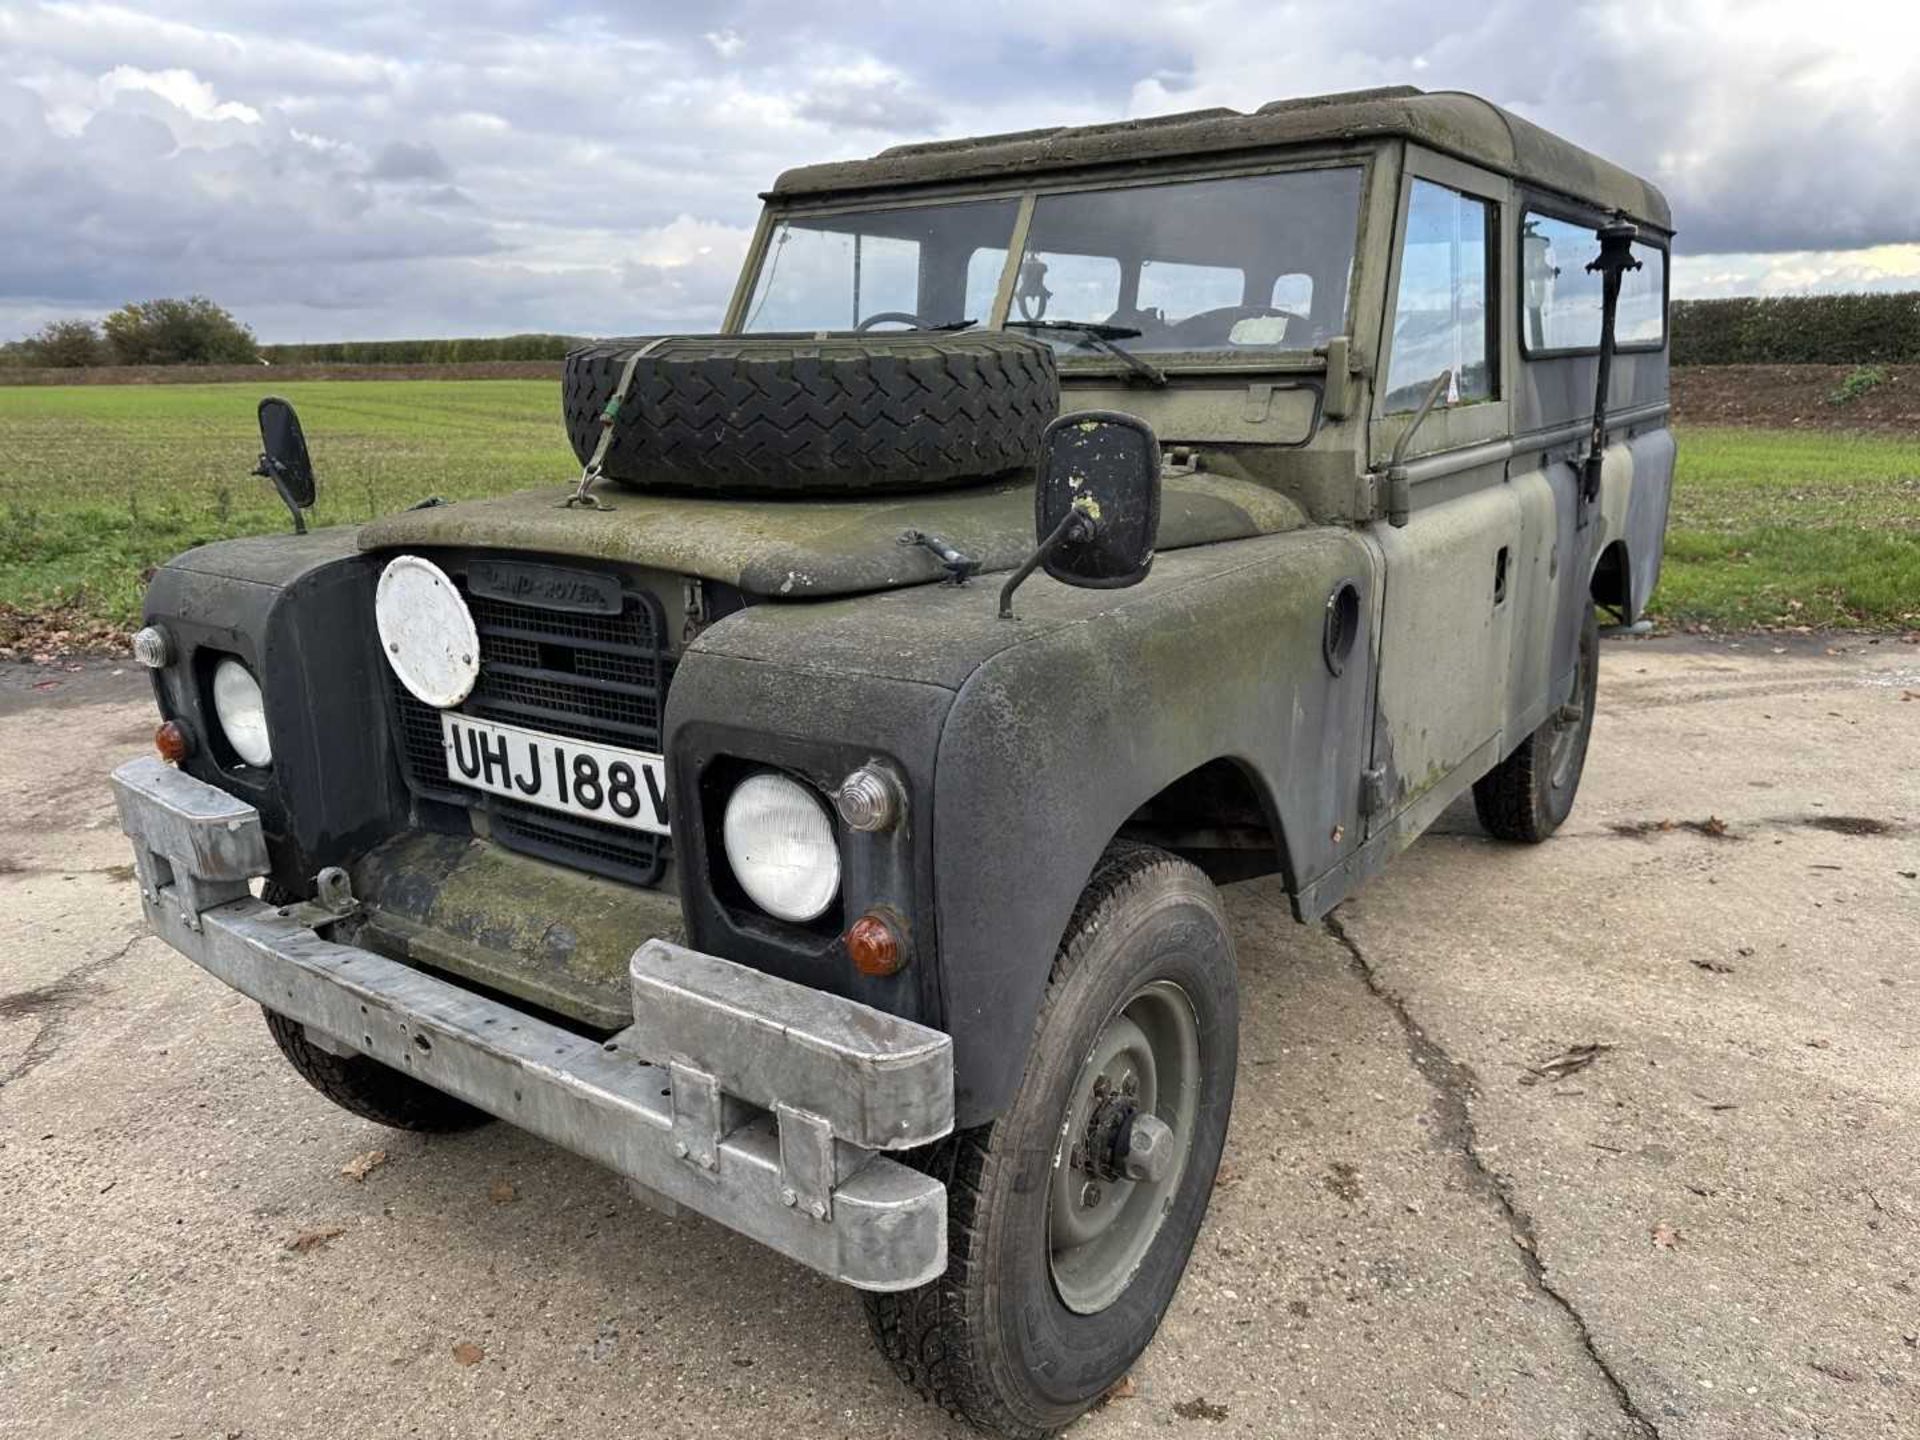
<point>816,414</point>
<point>1071,1217</point>
<point>368,1088</point>
<point>1527,795</point>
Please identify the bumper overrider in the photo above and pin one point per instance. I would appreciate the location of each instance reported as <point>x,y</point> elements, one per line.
<point>762,1104</point>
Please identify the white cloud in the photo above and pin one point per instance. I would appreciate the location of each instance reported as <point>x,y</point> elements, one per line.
<point>180,88</point>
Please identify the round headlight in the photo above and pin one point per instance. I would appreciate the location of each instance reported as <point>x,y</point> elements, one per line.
<point>242,711</point>
<point>779,842</point>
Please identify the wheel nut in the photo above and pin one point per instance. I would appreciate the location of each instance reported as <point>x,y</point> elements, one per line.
<point>1149,1149</point>
<point>1089,1195</point>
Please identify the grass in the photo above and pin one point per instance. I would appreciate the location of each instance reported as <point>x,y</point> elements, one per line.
<point>1793,527</point>
<point>99,484</point>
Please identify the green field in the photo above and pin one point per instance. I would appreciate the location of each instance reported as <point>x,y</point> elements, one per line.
<point>1793,527</point>
<point>98,484</point>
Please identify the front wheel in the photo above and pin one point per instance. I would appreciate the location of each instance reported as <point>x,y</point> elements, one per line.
<point>369,1089</point>
<point>1071,1217</point>
<point>1527,796</point>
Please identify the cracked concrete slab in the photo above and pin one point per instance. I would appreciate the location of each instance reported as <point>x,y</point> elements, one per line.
<point>1407,1239</point>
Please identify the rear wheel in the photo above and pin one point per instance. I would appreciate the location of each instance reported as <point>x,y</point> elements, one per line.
<point>1071,1217</point>
<point>1527,796</point>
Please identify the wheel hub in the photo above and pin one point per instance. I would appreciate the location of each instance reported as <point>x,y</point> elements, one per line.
<point>1131,1118</point>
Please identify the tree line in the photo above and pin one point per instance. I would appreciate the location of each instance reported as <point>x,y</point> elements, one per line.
<point>193,331</point>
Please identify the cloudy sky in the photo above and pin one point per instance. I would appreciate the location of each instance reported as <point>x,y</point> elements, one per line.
<point>336,169</point>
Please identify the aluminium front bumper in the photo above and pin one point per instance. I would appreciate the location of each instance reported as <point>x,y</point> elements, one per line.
<point>762,1104</point>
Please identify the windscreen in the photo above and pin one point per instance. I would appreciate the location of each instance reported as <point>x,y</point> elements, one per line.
<point>1242,264</point>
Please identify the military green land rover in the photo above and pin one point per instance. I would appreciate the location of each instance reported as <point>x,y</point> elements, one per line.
<point>813,810</point>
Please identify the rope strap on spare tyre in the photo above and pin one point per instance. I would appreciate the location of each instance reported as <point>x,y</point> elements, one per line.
<point>582,493</point>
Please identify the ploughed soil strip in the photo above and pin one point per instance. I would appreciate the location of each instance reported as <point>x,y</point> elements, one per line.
<point>1795,397</point>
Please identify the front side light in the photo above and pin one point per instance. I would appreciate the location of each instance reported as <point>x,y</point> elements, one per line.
<point>173,742</point>
<point>868,800</point>
<point>242,711</point>
<point>779,844</point>
<point>153,647</point>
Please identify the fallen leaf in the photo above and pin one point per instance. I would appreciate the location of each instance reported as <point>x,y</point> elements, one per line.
<point>360,1166</point>
<point>501,1192</point>
<point>1718,967</point>
<point>1226,1177</point>
<point>308,1240</point>
<point>1665,1237</point>
<point>1836,1372</point>
<point>1819,1043</point>
<point>1121,1389</point>
<point>1569,1061</point>
<point>465,1352</point>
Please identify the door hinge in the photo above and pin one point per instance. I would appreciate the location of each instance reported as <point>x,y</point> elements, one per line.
<point>1373,791</point>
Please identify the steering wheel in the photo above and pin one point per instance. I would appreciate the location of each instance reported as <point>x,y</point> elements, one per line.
<point>1226,316</point>
<point>890,317</point>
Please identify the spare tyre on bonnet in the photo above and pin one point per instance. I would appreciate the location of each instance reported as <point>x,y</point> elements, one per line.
<point>815,413</point>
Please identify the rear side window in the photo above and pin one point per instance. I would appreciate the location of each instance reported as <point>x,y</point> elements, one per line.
<point>1176,289</point>
<point>1560,297</point>
<point>1441,319</point>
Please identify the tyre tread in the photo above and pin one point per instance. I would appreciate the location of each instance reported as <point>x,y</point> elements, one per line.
<point>366,1088</point>
<point>779,415</point>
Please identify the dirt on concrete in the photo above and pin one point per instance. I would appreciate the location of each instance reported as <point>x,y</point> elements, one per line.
<point>1608,1137</point>
<point>1795,397</point>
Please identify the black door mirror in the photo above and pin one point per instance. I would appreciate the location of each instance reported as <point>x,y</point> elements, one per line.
<point>284,459</point>
<point>1096,503</point>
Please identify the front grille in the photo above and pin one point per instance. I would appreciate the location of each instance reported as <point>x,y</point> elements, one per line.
<point>588,677</point>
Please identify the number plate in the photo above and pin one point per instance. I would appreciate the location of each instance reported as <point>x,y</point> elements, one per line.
<point>597,782</point>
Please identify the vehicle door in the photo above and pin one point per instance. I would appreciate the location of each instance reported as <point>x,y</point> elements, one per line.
<point>1446,621</point>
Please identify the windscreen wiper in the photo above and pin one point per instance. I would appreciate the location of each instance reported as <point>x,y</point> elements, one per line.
<point>1101,337</point>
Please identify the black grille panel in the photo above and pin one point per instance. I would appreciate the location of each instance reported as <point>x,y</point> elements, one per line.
<point>601,678</point>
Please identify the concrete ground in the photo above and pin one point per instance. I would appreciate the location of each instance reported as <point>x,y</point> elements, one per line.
<point>1432,1221</point>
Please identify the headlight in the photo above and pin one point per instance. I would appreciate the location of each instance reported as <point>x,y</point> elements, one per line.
<point>242,712</point>
<point>779,842</point>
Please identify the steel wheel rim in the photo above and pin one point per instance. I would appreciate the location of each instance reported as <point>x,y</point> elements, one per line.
<point>1566,736</point>
<point>1096,1242</point>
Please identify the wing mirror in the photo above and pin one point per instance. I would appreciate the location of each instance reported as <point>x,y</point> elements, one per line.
<point>1096,503</point>
<point>284,459</point>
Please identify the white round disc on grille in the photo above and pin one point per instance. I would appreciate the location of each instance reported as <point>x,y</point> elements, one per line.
<point>426,631</point>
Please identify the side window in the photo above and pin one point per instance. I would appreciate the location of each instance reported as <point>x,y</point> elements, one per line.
<point>1079,287</point>
<point>1178,290</point>
<point>1642,316</point>
<point>1293,293</point>
<point>1441,320</point>
<point>1560,297</point>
